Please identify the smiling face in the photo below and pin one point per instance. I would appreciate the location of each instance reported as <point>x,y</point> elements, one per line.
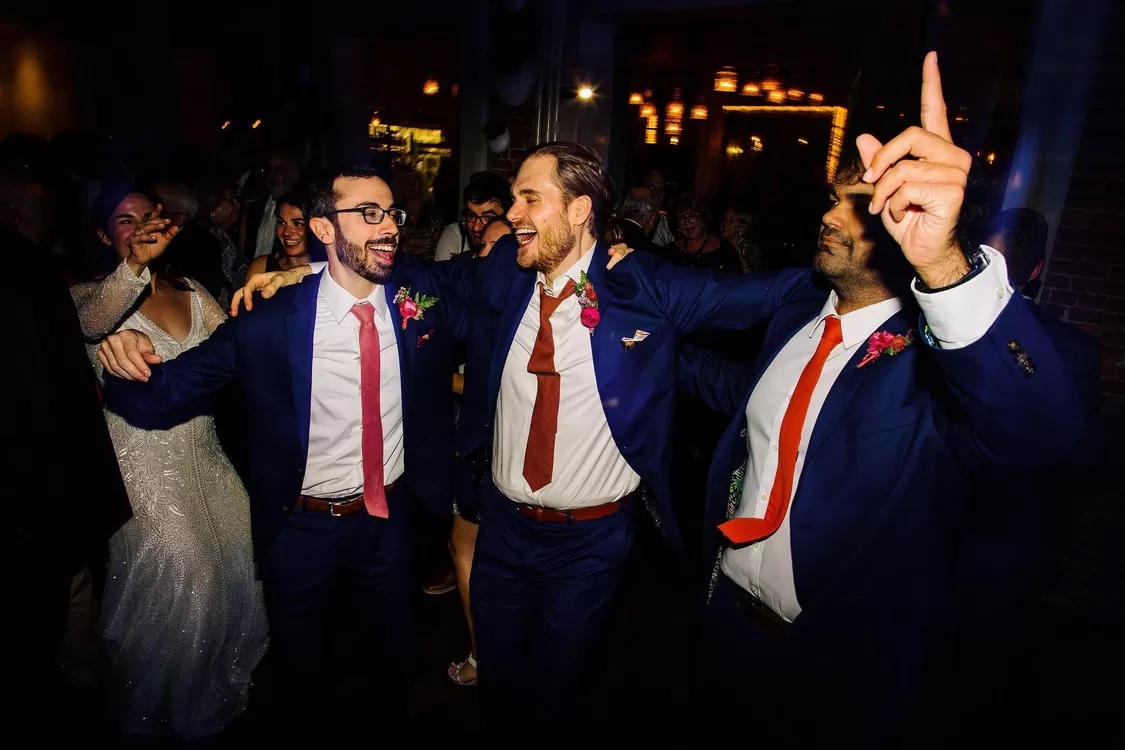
<point>539,216</point>
<point>291,230</point>
<point>126,217</point>
<point>366,249</point>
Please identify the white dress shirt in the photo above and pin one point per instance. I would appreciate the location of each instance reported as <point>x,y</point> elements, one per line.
<point>957,317</point>
<point>335,461</point>
<point>588,469</point>
<point>450,242</point>
<point>267,230</point>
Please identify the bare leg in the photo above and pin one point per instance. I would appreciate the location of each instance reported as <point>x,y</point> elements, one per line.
<point>462,542</point>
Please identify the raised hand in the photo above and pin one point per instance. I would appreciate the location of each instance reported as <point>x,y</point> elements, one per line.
<point>920,178</point>
<point>150,239</point>
<point>267,283</point>
<point>127,355</point>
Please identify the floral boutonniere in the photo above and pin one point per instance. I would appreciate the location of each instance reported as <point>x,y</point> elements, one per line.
<point>588,300</point>
<point>412,308</point>
<point>885,342</point>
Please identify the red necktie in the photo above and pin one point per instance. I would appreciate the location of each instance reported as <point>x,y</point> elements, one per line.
<point>745,530</point>
<point>539,458</point>
<point>374,498</point>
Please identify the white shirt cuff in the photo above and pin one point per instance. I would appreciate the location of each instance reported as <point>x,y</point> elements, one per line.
<point>962,315</point>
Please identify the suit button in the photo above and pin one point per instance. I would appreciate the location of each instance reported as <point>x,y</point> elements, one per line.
<point>284,508</point>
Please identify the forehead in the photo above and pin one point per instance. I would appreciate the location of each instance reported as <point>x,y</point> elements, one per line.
<point>857,189</point>
<point>135,204</point>
<point>355,191</point>
<point>537,173</point>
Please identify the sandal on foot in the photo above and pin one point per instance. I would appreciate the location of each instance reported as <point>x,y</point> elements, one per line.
<point>455,668</point>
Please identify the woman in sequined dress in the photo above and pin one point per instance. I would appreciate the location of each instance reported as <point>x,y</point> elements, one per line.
<point>183,618</point>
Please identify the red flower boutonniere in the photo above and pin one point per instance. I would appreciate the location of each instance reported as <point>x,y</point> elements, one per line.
<point>885,342</point>
<point>412,308</point>
<point>588,300</point>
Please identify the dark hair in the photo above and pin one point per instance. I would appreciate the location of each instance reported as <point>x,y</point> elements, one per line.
<point>298,196</point>
<point>485,187</point>
<point>689,203</point>
<point>322,194</point>
<point>578,172</point>
<point>639,204</point>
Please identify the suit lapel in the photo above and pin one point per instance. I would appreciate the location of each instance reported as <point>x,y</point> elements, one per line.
<point>840,396</point>
<point>518,295</point>
<point>299,325</point>
<point>405,353</point>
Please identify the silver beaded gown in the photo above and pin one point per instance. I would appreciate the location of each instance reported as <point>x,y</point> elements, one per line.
<point>183,618</point>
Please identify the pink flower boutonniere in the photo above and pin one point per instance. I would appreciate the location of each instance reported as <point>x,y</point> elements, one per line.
<point>412,308</point>
<point>588,300</point>
<point>885,342</point>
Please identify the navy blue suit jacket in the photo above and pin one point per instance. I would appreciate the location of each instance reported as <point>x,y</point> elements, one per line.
<point>636,385</point>
<point>270,351</point>
<point>887,483</point>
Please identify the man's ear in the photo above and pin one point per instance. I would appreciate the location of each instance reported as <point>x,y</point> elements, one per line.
<point>580,210</point>
<point>323,229</point>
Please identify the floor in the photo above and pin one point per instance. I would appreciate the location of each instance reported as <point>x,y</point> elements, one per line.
<point>1078,671</point>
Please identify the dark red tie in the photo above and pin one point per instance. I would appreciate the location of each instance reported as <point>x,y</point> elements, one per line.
<point>374,496</point>
<point>745,530</point>
<point>539,458</point>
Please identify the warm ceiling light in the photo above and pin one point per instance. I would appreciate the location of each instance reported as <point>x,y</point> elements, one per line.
<point>225,125</point>
<point>699,112</point>
<point>636,98</point>
<point>674,140</point>
<point>255,124</point>
<point>675,108</point>
<point>751,89</point>
<point>648,109</point>
<point>816,98</point>
<point>650,136</point>
<point>777,97</point>
<point>585,92</point>
<point>726,80</point>
<point>431,87</point>
<point>769,83</point>
<point>673,127</point>
<point>795,93</point>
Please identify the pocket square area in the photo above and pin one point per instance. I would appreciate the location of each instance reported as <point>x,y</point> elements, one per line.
<point>636,338</point>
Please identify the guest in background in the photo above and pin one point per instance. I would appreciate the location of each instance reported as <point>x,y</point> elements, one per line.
<point>291,245</point>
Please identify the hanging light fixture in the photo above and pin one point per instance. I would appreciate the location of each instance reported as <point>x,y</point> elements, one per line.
<point>430,87</point>
<point>699,111</point>
<point>648,109</point>
<point>795,93</point>
<point>750,88</point>
<point>776,97</point>
<point>650,136</point>
<point>771,83</point>
<point>636,98</point>
<point>675,108</point>
<point>726,80</point>
<point>816,98</point>
<point>674,140</point>
<point>673,127</point>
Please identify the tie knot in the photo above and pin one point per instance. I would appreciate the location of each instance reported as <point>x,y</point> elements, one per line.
<point>832,330</point>
<point>364,311</point>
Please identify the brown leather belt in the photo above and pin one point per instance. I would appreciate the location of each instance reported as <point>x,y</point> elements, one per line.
<point>337,508</point>
<point>550,515</point>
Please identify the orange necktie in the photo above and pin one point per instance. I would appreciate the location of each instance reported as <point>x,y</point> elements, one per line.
<point>539,458</point>
<point>746,530</point>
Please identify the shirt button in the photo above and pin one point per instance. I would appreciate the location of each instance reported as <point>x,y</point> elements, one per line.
<point>999,292</point>
<point>763,497</point>
<point>756,545</point>
<point>774,447</point>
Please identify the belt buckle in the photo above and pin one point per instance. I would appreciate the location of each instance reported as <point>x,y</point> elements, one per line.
<point>539,513</point>
<point>332,509</point>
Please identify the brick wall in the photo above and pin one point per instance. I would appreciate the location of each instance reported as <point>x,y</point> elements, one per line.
<point>521,124</point>
<point>1085,282</point>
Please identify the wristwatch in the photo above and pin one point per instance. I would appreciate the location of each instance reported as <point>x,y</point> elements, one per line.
<point>978,261</point>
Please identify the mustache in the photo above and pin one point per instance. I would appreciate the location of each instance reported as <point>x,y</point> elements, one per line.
<point>835,235</point>
<point>382,241</point>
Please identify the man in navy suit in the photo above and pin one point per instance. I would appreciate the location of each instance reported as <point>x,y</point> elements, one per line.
<point>844,484</point>
<point>349,415</point>
<point>569,395</point>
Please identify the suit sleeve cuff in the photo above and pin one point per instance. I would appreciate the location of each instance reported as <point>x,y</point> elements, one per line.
<point>962,314</point>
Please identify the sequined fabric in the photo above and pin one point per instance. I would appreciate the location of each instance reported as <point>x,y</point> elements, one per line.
<point>183,618</point>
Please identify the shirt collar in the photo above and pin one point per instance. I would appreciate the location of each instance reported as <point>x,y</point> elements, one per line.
<point>340,301</point>
<point>574,273</point>
<point>858,325</point>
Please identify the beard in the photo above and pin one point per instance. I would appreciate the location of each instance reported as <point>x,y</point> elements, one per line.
<point>374,261</point>
<point>831,259</point>
<point>549,248</point>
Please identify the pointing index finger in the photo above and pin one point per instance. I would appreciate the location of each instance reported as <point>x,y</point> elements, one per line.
<point>935,119</point>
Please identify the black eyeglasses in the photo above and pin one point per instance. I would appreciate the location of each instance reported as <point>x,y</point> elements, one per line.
<point>375,214</point>
<point>471,218</point>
